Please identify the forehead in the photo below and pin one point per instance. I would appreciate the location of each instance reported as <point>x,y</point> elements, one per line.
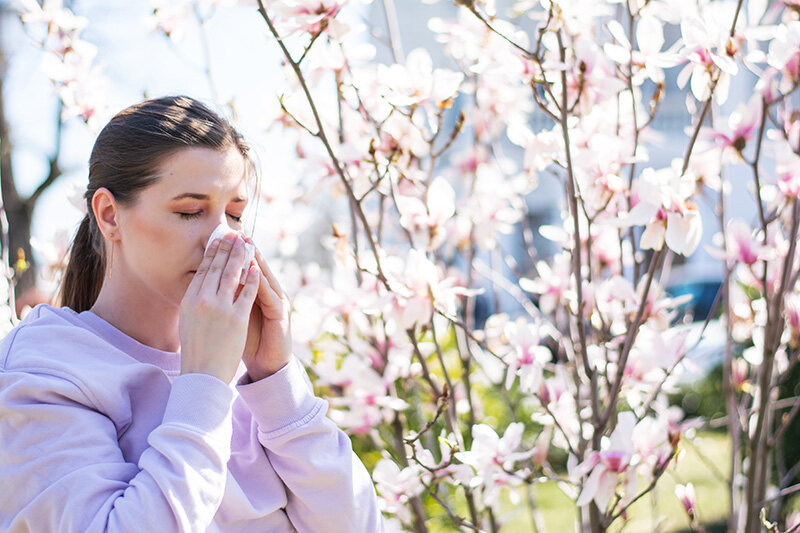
<point>202,170</point>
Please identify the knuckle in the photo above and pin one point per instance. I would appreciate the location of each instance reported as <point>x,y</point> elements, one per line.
<point>205,303</point>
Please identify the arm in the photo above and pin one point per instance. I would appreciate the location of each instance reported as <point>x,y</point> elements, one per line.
<point>327,486</point>
<point>60,454</point>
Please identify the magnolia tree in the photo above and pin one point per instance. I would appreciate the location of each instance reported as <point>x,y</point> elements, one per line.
<point>429,168</point>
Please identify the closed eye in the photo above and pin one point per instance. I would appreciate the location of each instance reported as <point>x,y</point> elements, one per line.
<point>198,213</point>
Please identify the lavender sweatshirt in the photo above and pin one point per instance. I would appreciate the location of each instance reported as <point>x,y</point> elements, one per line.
<point>99,432</point>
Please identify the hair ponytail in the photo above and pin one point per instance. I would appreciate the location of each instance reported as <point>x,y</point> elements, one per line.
<point>85,270</point>
<point>126,159</point>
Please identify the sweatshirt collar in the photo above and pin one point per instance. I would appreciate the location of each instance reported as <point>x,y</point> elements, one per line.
<point>168,361</point>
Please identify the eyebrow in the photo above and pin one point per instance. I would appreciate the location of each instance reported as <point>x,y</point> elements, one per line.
<point>198,196</point>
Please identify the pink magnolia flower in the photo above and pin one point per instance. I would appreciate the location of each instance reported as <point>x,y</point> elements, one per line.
<point>59,20</point>
<point>752,275</point>
<point>610,466</point>
<point>661,201</point>
<point>396,486</point>
<point>649,61</point>
<point>366,400</point>
<point>787,170</point>
<point>653,353</point>
<point>170,18</point>
<point>418,289</point>
<point>541,149</point>
<point>741,244</point>
<point>615,300</point>
<point>417,81</point>
<point>446,468</point>
<point>553,283</point>
<point>792,313</point>
<point>741,125</point>
<point>527,357</point>
<point>704,47</point>
<point>492,456</point>
<point>654,438</point>
<point>312,16</point>
<point>686,495</point>
<point>784,48</point>
<point>426,221</point>
<point>590,75</point>
<point>555,394</point>
<point>492,209</point>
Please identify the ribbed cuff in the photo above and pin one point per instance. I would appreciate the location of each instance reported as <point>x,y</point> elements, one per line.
<point>281,399</point>
<point>202,402</point>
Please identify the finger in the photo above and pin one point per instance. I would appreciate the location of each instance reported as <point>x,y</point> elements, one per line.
<point>229,279</point>
<point>202,270</point>
<point>211,281</point>
<point>271,279</point>
<point>247,296</point>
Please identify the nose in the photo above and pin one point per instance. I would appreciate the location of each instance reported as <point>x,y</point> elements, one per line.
<point>220,231</point>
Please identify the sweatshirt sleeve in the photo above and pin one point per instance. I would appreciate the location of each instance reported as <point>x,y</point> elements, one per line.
<point>61,456</point>
<point>327,486</point>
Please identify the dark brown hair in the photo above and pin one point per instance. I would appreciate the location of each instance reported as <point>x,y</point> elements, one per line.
<point>125,159</point>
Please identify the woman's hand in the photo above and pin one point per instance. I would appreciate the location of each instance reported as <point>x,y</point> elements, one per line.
<point>213,317</point>
<point>269,337</point>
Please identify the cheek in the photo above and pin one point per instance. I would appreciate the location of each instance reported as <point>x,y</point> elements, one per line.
<point>160,242</point>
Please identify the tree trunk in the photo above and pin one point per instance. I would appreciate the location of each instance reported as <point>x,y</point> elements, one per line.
<point>18,210</point>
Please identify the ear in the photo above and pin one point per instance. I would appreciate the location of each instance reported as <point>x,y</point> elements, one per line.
<point>105,207</point>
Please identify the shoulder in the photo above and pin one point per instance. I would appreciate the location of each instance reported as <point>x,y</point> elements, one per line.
<point>46,337</point>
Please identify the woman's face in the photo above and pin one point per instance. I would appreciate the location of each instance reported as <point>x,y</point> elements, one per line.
<point>164,233</point>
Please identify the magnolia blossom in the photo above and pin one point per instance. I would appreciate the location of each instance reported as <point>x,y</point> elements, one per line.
<point>686,495</point>
<point>396,486</point>
<point>648,60</point>
<point>792,313</point>
<point>787,170</point>
<point>556,395</point>
<point>493,457</point>
<point>553,284</point>
<point>367,398</point>
<point>426,221</point>
<point>500,75</point>
<point>493,208</point>
<point>170,18</point>
<point>59,20</point>
<point>784,48</point>
<point>610,466</point>
<point>527,357</point>
<point>417,81</point>
<point>312,16</point>
<point>741,125</point>
<point>661,201</point>
<point>446,468</point>
<point>590,75</point>
<point>615,300</point>
<point>705,46</point>
<point>419,289</point>
<point>741,245</point>
<point>653,353</point>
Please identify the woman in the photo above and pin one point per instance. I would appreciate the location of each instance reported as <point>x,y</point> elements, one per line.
<point>118,410</point>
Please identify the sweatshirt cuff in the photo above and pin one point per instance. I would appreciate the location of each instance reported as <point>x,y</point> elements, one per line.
<point>202,402</point>
<point>281,399</point>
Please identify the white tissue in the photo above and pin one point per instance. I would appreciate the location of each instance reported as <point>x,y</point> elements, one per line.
<point>249,250</point>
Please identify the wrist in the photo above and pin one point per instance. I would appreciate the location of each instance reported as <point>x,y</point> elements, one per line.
<point>256,373</point>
